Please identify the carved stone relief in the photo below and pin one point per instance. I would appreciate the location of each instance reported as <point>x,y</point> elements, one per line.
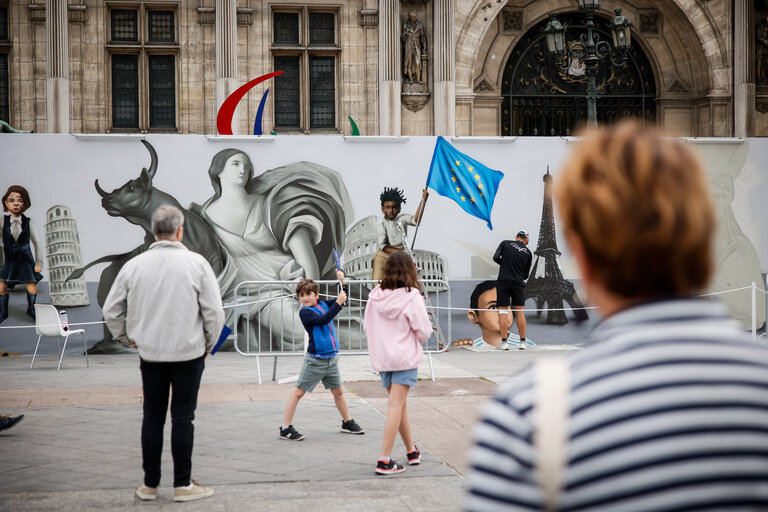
<point>650,22</point>
<point>512,20</point>
<point>678,86</point>
<point>484,86</point>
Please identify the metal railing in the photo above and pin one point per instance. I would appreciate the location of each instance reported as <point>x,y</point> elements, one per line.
<point>264,316</point>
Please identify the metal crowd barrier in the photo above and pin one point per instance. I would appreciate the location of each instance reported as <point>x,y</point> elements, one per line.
<point>264,316</point>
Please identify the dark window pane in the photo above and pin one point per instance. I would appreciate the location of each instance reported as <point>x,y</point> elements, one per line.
<point>286,27</point>
<point>321,28</point>
<point>287,92</point>
<point>3,23</point>
<point>125,91</point>
<point>4,113</point>
<point>322,92</point>
<point>125,25</point>
<point>162,91</point>
<point>161,26</point>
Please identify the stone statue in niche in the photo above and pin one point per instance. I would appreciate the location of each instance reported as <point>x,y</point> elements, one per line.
<point>761,52</point>
<point>414,45</point>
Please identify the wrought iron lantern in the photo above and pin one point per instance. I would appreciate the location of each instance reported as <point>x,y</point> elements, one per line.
<point>555,35</point>
<point>622,37</point>
<point>589,5</point>
<point>589,51</point>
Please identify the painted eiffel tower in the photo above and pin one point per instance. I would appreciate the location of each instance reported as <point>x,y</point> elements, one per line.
<point>546,284</point>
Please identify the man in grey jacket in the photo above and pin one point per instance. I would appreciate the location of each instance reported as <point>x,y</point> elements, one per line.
<point>166,302</point>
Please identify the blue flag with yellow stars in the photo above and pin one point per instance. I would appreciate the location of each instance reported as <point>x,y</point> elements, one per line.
<point>465,180</point>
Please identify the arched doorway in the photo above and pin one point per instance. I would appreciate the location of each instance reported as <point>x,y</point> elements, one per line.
<point>539,99</point>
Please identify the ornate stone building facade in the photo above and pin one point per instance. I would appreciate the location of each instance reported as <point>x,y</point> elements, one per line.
<point>396,67</point>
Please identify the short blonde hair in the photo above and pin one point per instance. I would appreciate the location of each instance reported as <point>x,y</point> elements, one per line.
<point>640,205</point>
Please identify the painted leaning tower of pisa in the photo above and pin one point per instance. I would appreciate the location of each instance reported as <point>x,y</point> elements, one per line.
<point>63,247</point>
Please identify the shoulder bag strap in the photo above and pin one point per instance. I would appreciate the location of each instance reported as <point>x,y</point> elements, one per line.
<point>551,384</point>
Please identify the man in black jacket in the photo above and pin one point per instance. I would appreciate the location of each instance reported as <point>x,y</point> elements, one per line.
<point>514,259</point>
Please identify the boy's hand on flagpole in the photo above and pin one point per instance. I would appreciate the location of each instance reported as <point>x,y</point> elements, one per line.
<point>420,210</point>
<point>342,298</point>
<point>340,277</point>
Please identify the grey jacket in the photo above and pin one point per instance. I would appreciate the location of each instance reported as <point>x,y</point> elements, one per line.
<point>167,301</point>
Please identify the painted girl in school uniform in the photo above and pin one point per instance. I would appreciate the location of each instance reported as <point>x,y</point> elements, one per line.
<point>19,264</point>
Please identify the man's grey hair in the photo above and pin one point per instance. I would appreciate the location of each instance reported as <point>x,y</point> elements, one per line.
<point>166,221</point>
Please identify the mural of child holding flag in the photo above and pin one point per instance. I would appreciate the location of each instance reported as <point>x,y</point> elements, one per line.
<point>390,238</point>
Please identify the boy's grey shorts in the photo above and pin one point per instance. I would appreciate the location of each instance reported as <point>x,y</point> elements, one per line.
<point>315,370</point>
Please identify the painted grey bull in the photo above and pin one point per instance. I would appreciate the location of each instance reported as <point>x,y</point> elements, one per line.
<point>135,201</point>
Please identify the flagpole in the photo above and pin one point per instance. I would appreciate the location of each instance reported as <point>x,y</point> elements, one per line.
<point>423,204</point>
<point>421,208</point>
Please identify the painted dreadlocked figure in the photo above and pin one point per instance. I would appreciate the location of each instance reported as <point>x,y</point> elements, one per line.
<point>390,239</point>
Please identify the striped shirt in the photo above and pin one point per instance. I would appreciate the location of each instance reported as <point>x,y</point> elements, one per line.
<point>669,411</point>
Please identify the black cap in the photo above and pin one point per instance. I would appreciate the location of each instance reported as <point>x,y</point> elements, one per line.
<point>522,234</point>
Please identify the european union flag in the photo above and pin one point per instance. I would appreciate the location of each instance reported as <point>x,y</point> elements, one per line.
<point>465,180</point>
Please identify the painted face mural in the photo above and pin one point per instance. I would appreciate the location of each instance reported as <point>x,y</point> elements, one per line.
<point>15,203</point>
<point>234,171</point>
<point>390,209</point>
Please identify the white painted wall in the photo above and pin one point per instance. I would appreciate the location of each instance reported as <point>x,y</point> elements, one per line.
<point>61,169</point>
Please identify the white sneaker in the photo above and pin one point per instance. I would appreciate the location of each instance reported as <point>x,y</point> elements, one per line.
<point>193,491</point>
<point>146,493</point>
<point>504,345</point>
<point>523,345</point>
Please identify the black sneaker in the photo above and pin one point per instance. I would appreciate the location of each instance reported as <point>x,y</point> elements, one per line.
<point>388,468</point>
<point>415,456</point>
<point>7,422</point>
<point>351,427</point>
<point>290,434</point>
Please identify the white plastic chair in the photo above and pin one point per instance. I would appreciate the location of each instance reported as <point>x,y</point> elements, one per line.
<point>48,323</point>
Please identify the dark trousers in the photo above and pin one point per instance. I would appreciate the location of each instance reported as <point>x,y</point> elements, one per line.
<point>157,379</point>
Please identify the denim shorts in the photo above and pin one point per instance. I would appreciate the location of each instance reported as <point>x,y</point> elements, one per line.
<point>404,377</point>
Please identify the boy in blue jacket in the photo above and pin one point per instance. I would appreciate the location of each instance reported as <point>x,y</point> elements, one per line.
<point>321,361</point>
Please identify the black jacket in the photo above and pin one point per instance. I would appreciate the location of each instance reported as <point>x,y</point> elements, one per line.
<point>514,260</point>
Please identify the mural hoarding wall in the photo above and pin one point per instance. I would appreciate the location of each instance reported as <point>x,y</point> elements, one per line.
<point>60,169</point>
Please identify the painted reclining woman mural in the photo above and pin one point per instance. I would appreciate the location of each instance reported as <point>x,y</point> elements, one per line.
<point>278,226</point>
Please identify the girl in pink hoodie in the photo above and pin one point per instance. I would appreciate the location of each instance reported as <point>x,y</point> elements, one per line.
<point>397,324</point>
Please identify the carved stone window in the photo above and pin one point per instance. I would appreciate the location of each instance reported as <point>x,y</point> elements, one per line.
<point>305,47</point>
<point>3,23</point>
<point>143,52</point>
<point>5,48</point>
<point>4,103</point>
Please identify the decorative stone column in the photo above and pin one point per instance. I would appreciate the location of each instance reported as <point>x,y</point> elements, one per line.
<point>389,68</point>
<point>444,68</point>
<point>57,66</point>
<point>226,55</point>
<point>743,71</point>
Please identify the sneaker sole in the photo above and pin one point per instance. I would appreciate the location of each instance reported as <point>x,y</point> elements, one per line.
<point>289,439</point>
<point>352,431</point>
<point>415,461</point>
<point>388,471</point>
<point>193,497</point>
<point>146,497</point>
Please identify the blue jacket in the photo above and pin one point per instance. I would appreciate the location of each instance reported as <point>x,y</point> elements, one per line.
<point>318,321</point>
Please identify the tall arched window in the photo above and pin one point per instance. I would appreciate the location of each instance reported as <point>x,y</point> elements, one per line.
<point>539,98</point>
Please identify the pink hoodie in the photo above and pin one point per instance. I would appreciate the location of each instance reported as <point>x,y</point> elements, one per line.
<point>397,324</point>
